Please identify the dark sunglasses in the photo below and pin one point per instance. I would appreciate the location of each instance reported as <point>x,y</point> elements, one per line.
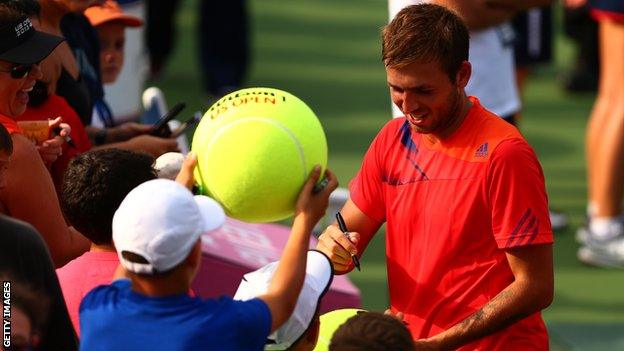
<point>19,71</point>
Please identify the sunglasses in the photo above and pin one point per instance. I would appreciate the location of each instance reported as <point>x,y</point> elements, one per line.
<point>19,71</point>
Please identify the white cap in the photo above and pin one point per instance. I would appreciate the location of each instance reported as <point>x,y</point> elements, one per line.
<point>168,165</point>
<point>319,275</point>
<point>161,220</point>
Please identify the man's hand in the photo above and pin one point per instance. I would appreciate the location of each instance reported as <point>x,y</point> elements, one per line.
<point>152,145</point>
<point>52,148</point>
<point>335,244</point>
<point>398,315</point>
<point>421,344</point>
<point>338,248</point>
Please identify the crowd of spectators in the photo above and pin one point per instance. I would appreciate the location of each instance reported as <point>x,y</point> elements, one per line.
<point>98,253</point>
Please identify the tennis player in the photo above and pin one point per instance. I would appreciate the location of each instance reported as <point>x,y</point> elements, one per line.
<point>469,242</point>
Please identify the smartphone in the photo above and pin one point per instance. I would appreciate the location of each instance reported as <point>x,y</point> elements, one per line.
<point>161,129</point>
<point>193,120</point>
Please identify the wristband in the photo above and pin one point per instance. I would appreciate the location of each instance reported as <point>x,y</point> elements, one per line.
<point>100,137</point>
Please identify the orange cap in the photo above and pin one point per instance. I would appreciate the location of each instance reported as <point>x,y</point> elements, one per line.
<point>110,11</point>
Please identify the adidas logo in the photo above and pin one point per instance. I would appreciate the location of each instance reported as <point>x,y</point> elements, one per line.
<point>482,150</point>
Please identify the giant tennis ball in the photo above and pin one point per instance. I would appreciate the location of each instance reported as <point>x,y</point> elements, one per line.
<point>256,148</point>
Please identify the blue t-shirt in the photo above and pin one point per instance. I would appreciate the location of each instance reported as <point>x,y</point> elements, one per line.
<point>113,317</point>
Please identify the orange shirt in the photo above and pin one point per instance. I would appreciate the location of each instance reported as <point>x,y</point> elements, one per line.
<point>451,208</point>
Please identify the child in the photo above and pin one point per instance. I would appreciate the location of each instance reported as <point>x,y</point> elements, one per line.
<point>111,22</point>
<point>301,331</point>
<point>156,232</point>
<point>372,331</point>
<point>94,185</point>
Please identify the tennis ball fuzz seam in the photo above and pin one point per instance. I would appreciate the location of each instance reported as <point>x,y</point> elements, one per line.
<point>233,124</point>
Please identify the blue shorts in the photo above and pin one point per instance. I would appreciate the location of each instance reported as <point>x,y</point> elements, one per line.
<point>533,41</point>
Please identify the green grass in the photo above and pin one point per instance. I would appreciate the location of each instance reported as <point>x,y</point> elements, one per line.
<point>327,53</point>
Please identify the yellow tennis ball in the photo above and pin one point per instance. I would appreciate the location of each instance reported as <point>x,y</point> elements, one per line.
<point>256,148</point>
<point>330,322</point>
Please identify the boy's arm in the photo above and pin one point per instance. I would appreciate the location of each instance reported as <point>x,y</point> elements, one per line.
<point>283,292</point>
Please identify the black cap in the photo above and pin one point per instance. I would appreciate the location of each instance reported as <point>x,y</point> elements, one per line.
<point>20,43</point>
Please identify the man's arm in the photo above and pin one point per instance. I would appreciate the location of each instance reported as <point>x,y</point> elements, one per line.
<point>531,291</point>
<point>335,244</point>
<point>516,5</point>
<point>477,14</point>
<point>283,292</point>
<point>482,14</point>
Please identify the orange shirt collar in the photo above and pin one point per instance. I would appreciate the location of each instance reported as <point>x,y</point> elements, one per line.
<point>10,124</point>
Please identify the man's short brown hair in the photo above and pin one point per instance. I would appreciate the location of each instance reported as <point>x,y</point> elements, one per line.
<point>372,331</point>
<point>426,33</point>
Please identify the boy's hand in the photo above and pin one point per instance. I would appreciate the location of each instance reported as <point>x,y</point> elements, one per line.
<point>186,177</point>
<point>310,205</point>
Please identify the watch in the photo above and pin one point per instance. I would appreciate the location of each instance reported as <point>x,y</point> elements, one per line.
<point>100,137</point>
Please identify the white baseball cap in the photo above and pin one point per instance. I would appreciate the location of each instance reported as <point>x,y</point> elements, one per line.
<point>160,220</point>
<point>319,275</point>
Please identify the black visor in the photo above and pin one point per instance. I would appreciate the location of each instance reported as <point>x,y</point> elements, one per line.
<point>20,43</point>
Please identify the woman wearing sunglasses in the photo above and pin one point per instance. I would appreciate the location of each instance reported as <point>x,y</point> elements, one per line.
<point>29,193</point>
